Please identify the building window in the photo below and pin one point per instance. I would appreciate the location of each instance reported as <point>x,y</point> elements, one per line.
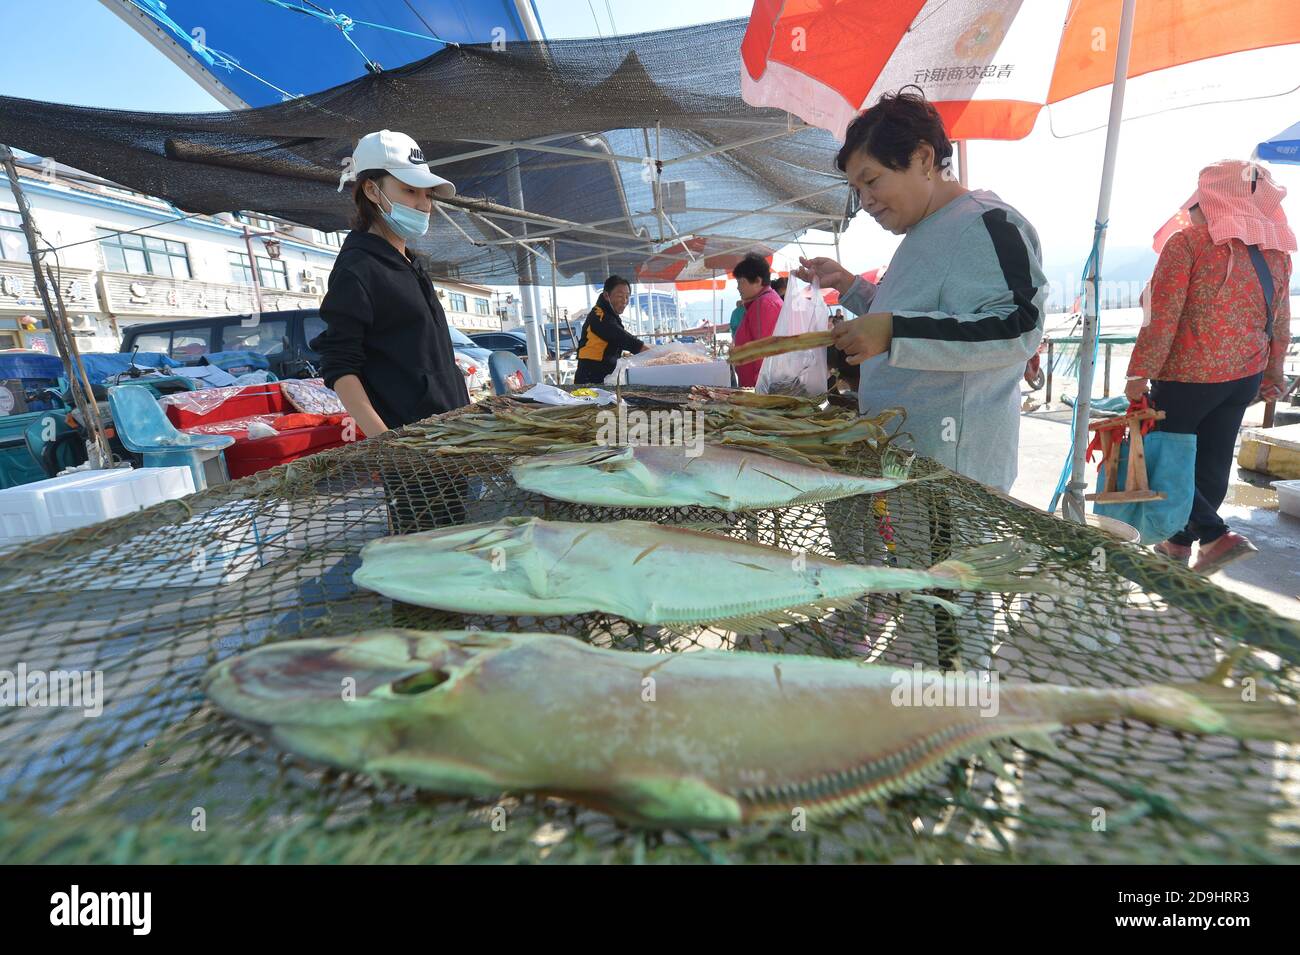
<point>482,306</point>
<point>332,239</point>
<point>13,244</point>
<point>256,223</point>
<point>273,273</point>
<point>144,255</point>
<point>457,301</point>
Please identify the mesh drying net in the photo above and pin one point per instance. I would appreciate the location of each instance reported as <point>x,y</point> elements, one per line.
<point>153,599</point>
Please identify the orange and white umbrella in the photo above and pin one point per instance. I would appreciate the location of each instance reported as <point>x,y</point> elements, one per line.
<point>990,66</point>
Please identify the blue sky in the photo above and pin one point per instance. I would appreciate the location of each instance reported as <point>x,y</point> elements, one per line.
<point>76,51</point>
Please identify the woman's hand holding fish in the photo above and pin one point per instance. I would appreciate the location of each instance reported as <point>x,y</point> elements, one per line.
<point>865,336</point>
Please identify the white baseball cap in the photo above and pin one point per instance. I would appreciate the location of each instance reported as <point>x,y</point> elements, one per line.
<point>400,155</point>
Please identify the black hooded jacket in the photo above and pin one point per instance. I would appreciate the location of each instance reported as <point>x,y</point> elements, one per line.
<point>602,341</point>
<point>385,325</point>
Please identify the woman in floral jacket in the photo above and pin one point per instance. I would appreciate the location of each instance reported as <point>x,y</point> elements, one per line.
<point>1206,347</point>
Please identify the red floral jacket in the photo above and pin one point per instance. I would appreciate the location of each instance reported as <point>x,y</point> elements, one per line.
<point>1207,324</point>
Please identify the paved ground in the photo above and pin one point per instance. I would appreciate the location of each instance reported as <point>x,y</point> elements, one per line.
<point>1271,577</point>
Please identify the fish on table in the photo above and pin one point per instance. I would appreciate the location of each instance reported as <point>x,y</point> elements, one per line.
<point>726,478</point>
<point>723,738</point>
<point>675,577</point>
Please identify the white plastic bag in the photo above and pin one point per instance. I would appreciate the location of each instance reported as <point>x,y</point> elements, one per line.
<point>801,372</point>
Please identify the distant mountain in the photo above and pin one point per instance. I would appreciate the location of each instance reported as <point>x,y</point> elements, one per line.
<point>1125,270</point>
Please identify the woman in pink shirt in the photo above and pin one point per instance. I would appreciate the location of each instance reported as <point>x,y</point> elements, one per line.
<point>762,306</point>
<point>1219,323</point>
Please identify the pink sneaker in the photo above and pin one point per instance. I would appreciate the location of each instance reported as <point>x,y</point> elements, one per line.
<point>1179,553</point>
<point>1218,554</point>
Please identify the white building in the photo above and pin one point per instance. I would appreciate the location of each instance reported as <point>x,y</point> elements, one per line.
<point>124,258</point>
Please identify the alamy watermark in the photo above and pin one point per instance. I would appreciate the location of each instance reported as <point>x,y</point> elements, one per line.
<point>77,689</point>
<point>919,686</point>
<point>677,427</point>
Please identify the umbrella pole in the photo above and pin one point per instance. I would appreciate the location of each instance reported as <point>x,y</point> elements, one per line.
<point>1073,501</point>
<point>961,162</point>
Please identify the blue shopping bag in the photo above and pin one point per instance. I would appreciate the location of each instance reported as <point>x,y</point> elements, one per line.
<point>1171,469</point>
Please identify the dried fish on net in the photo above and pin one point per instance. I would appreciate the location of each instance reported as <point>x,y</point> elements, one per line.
<point>801,431</point>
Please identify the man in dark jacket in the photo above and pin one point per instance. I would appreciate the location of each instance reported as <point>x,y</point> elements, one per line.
<point>603,337</point>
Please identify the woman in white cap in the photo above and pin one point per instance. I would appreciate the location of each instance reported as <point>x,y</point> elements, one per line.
<point>386,349</point>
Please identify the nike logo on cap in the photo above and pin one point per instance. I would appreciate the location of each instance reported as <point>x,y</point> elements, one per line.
<point>417,155</point>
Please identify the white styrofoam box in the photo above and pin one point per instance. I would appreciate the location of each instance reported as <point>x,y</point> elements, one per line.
<point>118,492</point>
<point>23,509</point>
<point>716,373</point>
<point>1288,497</point>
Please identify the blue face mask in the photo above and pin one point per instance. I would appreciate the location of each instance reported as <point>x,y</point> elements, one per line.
<point>406,222</point>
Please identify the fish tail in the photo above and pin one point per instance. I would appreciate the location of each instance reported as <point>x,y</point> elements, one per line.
<point>1207,708</point>
<point>991,567</point>
<point>1216,710</point>
<point>1211,708</point>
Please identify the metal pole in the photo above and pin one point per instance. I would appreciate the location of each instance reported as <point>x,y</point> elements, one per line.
<point>98,451</point>
<point>555,314</point>
<point>1072,500</point>
<point>257,277</point>
<point>961,161</point>
<point>524,269</point>
<point>1048,397</point>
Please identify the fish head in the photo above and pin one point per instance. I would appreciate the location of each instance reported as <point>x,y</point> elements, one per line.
<point>372,676</point>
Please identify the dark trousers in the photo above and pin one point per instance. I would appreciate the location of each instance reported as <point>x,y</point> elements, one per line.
<point>1213,413</point>
<point>591,372</point>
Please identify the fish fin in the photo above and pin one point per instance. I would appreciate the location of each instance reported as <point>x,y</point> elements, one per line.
<point>762,621</point>
<point>930,599</point>
<point>996,762</point>
<point>637,471</point>
<point>1040,741</point>
<point>660,801</point>
<point>991,568</point>
<point>708,527</point>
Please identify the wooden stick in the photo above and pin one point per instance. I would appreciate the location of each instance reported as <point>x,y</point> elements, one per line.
<point>1137,461</point>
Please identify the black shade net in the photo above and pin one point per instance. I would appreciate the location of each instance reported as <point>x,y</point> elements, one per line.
<point>654,96</point>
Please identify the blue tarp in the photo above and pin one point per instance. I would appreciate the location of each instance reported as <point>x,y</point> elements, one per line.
<point>30,365</point>
<point>238,359</point>
<point>100,366</point>
<point>306,52</point>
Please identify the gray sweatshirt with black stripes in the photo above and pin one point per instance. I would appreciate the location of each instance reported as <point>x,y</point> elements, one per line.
<point>966,289</point>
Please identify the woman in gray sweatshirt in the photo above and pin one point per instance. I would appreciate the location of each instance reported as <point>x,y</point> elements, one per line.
<point>947,331</point>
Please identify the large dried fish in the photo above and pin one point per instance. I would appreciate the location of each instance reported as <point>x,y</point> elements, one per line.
<point>780,345</point>
<point>677,577</point>
<point>725,478</point>
<point>708,738</point>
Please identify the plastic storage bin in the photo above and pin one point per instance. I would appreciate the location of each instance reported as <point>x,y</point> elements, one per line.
<point>1288,497</point>
<point>116,493</point>
<point>24,512</point>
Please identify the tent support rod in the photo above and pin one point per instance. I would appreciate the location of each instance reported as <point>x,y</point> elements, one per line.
<point>727,147</point>
<point>78,384</point>
<point>1073,499</point>
<point>493,150</point>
